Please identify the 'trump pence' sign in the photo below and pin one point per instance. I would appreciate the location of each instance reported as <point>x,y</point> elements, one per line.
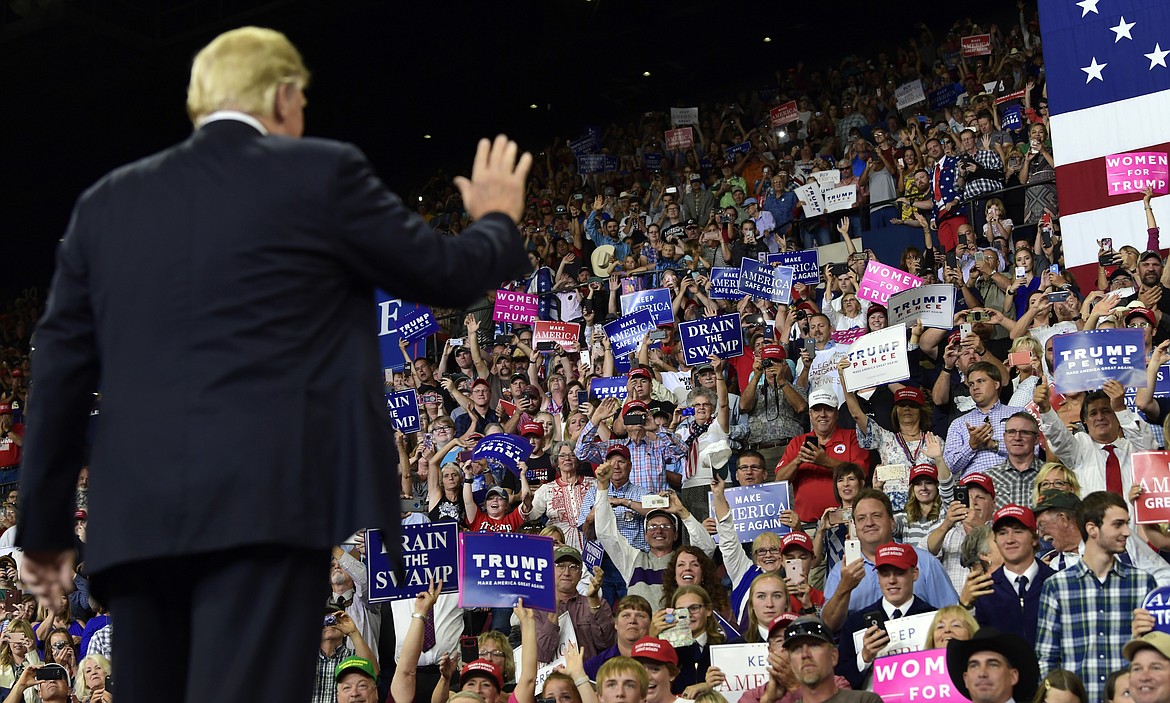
<point>934,304</point>
<point>878,358</point>
<point>1086,360</point>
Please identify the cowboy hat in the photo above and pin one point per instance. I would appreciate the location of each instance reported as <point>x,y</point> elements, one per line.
<point>1019,654</point>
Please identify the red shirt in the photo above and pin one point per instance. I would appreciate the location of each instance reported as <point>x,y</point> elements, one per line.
<point>812,484</point>
<point>508,523</point>
<point>9,452</point>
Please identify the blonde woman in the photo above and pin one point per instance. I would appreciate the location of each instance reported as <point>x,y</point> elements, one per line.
<point>954,622</point>
<point>1055,475</point>
<point>1026,374</point>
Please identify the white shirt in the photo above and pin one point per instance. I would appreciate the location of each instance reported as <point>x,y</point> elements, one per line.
<point>234,115</point>
<point>448,626</point>
<point>1087,458</point>
<point>367,618</point>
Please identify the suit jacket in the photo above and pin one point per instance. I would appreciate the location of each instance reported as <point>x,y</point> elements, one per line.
<point>220,294</point>
<point>847,661</point>
<point>1001,608</point>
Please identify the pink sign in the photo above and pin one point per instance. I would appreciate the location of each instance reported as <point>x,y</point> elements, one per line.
<point>681,138</point>
<point>848,336</point>
<point>976,45</point>
<point>915,677</point>
<point>1135,171</point>
<point>1151,471</point>
<point>784,114</point>
<point>881,281</point>
<point>520,308</point>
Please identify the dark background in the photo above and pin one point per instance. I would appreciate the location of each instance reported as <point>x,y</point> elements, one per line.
<point>87,85</point>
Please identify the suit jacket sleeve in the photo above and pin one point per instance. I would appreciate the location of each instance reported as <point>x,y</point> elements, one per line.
<point>395,249</point>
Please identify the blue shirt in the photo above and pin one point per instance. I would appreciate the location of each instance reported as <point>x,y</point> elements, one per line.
<point>959,455</point>
<point>781,206</point>
<point>932,585</point>
<point>593,231</point>
<point>629,522</point>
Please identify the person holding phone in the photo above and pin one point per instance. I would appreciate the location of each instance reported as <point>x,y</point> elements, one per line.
<point>973,506</point>
<point>897,569</point>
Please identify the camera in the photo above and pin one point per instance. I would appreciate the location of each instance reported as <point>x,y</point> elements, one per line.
<point>634,419</point>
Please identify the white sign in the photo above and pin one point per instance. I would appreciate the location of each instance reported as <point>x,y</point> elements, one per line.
<point>827,179</point>
<point>744,665</point>
<point>935,304</point>
<point>810,195</point>
<point>568,634</point>
<point>909,94</point>
<point>679,384</point>
<point>840,198</point>
<point>681,116</point>
<point>907,634</point>
<point>823,371</point>
<point>878,358</point>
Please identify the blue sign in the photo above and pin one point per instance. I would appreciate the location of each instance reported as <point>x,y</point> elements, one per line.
<point>947,95</point>
<point>626,333</point>
<point>766,281</point>
<point>724,284</point>
<point>591,163</point>
<point>417,324</point>
<point>729,631</point>
<point>403,407</point>
<point>1085,360</point>
<point>429,554</point>
<point>592,555</point>
<point>1012,118</point>
<point>657,301</point>
<point>390,311</point>
<point>1158,603</point>
<point>805,265</point>
<point>652,161</point>
<point>497,569</point>
<point>507,449</point>
<point>756,509</point>
<point>711,336</point>
<point>610,387</point>
<point>742,148</point>
<point>611,163</point>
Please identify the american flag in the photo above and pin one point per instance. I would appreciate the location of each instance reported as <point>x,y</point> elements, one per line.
<point>1108,70</point>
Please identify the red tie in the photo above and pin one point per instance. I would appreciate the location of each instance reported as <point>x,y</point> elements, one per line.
<point>937,183</point>
<point>1112,471</point>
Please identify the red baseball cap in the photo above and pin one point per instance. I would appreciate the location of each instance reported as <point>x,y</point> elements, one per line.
<point>1143,312</point>
<point>781,623</point>
<point>655,650</point>
<point>980,481</point>
<point>899,556</point>
<point>618,449</point>
<point>483,667</point>
<point>910,394</point>
<point>1019,513</point>
<point>5,409</point>
<point>774,352</point>
<point>533,428</point>
<point>635,405</point>
<point>639,372</point>
<point>796,539</point>
<point>919,470</point>
<point>481,382</point>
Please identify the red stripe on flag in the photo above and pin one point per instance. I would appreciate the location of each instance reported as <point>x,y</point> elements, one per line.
<point>1082,186</point>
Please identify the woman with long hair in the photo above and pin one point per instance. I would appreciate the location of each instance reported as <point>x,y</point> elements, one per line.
<point>924,506</point>
<point>690,566</point>
<point>17,651</point>
<point>93,674</point>
<point>1026,376</point>
<point>445,494</point>
<point>1021,288</point>
<point>705,630</point>
<point>560,499</point>
<point>1039,173</point>
<point>1061,686</point>
<point>767,599</point>
<point>60,649</point>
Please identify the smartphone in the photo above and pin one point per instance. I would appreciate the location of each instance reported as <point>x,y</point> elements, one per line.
<point>794,570</point>
<point>634,419</point>
<point>582,398</point>
<point>468,649</point>
<point>839,269</point>
<point>546,346</point>
<point>840,516</point>
<point>852,551</point>
<point>874,618</point>
<point>979,257</point>
<point>963,495</point>
<point>1124,293</point>
<point>952,262</point>
<point>1020,358</point>
<point>810,346</point>
<point>964,330</point>
<point>456,342</point>
<point>412,505</point>
<point>428,440</point>
<point>901,164</point>
<point>1058,296</point>
<point>50,673</point>
<point>654,501</point>
<point>464,455</point>
<point>1107,243</point>
<point>1021,272</point>
<point>812,440</point>
<point>687,412</point>
<point>657,335</point>
<point>1054,269</point>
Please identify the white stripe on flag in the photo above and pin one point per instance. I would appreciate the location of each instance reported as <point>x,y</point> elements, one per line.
<point>1112,128</point>
<point>1126,223</point>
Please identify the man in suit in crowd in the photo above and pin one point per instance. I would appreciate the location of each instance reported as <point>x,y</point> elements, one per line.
<point>220,294</point>
<point>1008,598</point>
<point>897,568</point>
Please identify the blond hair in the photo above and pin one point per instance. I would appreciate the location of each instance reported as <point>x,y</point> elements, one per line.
<point>619,665</point>
<point>242,70</point>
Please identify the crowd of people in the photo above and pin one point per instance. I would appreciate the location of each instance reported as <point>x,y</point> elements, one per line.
<point>974,490</point>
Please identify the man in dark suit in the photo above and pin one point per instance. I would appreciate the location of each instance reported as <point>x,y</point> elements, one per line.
<point>1008,599</point>
<point>221,296</point>
<point>897,569</point>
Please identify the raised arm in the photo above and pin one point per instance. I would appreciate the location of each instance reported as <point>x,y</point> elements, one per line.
<point>403,685</point>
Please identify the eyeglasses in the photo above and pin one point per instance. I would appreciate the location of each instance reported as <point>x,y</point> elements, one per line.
<point>495,654</point>
<point>750,467</point>
<point>1057,483</point>
<point>443,428</point>
<point>1020,433</point>
<point>659,527</point>
<point>765,551</point>
<point>694,609</point>
<point>568,565</point>
<point>1138,323</point>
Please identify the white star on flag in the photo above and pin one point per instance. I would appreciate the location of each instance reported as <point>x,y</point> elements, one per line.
<point>1094,69</point>
<point>1122,30</point>
<point>1088,6</point>
<point>1158,58</point>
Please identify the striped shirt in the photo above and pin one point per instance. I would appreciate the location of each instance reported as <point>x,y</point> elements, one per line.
<point>959,455</point>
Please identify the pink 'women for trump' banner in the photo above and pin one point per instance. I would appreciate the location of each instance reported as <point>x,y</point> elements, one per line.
<point>881,281</point>
<point>519,308</point>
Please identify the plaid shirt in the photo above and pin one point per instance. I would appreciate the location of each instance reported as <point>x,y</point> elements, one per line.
<point>100,642</point>
<point>1013,485</point>
<point>325,688</point>
<point>1086,623</point>
<point>989,160</point>
<point>629,522</point>
<point>648,458</point>
<point>958,453</point>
